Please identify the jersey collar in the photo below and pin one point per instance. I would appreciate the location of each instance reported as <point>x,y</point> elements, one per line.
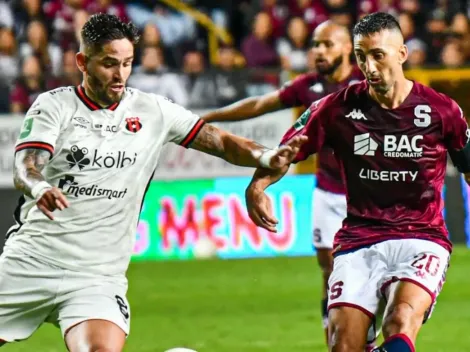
<point>90,104</point>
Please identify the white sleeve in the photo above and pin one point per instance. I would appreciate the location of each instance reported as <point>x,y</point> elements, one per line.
<point>41,126</point>
<point>184,125</point>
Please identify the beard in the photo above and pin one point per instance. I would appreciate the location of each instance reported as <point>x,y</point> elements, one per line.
<point>100,91</point>
<point>328,70</point>
<point>382,89</point>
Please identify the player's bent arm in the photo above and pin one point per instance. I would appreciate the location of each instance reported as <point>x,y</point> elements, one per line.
<point>257,202</point>
<point>27,170</point>
<point>234,149</point>
<point>246,109</point>
<point>263,178</point>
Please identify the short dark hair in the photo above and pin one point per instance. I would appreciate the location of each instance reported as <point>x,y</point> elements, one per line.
<point>376,22</point>
<point>103,28</point>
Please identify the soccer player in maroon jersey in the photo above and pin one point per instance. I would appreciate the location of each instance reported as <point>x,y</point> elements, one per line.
<point>332,48</point>
<point>391,137</point>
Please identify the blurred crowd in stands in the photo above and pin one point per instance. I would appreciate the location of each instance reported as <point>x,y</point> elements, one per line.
<point>38,42</point>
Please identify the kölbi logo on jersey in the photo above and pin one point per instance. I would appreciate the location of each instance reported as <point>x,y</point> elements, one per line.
<point>78,157</point>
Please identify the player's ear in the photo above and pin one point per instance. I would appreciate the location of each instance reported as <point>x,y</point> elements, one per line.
<point>80,59</point>
<point>402,54</point>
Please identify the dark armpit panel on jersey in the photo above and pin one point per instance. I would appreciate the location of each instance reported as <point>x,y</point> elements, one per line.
<point>461,159</point>
<point>35,145</point>
<point>192,134</point>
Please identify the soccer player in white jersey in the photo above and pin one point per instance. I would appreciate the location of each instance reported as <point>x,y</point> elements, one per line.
<point>83,160</point>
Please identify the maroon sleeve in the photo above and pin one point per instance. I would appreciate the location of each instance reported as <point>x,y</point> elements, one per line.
<point>20,96</point>
<point>455,126</point>
<point>313,123</point>
<point>290,91</point>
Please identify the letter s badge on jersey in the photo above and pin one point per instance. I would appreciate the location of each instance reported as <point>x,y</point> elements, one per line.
<point>27,127</point>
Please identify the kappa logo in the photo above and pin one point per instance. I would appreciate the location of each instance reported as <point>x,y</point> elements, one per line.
<point>133,124</point>
<point>356,114</point>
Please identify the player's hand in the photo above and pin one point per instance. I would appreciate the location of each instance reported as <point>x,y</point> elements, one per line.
<point>287,153</point>
<point>51,200</point>
<point>260,209</point>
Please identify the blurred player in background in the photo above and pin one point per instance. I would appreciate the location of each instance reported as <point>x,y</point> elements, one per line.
<point>391,136</point>
<point>90,152</point>
<point>332,49</point>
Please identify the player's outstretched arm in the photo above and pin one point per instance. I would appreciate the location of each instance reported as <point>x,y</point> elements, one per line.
<point>28,179</point>
<point>245,152</point>
<point>246,109</point>
<point>257,202</point>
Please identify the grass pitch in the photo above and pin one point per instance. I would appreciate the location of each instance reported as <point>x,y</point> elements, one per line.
<point>252,306</point>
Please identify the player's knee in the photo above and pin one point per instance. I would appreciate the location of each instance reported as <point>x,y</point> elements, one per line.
<point>95,347</point>
<point>401,318</point>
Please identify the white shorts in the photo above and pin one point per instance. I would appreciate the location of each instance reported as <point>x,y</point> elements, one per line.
<point>361,278</point>
<point>329,211</point>
<point>33,292</point>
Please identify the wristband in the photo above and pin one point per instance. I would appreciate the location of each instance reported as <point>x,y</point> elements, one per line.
<point>38,190</point>
<point>265,159</point>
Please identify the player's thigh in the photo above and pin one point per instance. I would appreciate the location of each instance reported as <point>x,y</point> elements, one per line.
<point>87,303</point>
<point>329,211</point>
<point>95,335</point>
<point>412,288</point>
<point>27,291</point>
<point>354,284</point>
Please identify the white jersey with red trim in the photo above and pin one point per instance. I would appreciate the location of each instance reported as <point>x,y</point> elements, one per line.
<point>103,160</point>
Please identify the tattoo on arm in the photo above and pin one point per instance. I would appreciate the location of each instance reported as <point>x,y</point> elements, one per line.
<point>209,141</point>
<point>27,169</point>
<point>234,149</point>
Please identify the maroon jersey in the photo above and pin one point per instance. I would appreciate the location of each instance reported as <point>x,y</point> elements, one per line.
<point>303,91</point>
<point>393,161</point>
